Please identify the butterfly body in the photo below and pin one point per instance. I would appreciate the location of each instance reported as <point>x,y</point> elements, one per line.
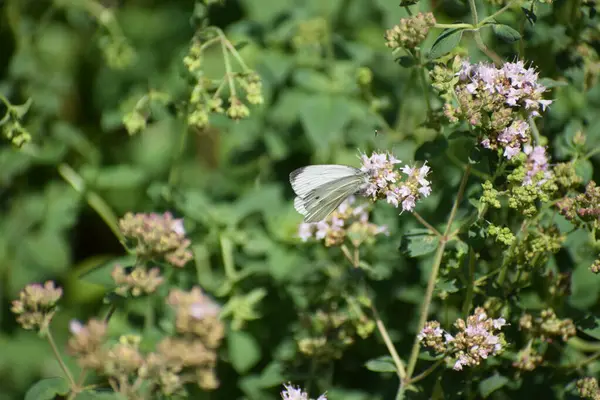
<point>320,189</point>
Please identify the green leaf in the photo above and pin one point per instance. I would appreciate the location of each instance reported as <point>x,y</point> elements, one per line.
<point>324,117</point>
<point>448,40</point>
<point>101,274</point>
<point>590,326</point>
<point>20,110</point>
<point>419,242</point>
<point>551,83</point>
<point>446,286</point>
<point>584,169</point>
<point>381,364</point>
<point>47,389</point>
<point>491,384</point>
<point>506,33</point>
<point>406,61</point>
<point>119,177</point>
<point>244,351</point>
<point>46,250</point>
<point>431,149</point>
<point>98,395</point>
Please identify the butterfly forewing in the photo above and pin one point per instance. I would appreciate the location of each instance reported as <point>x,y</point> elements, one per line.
<point>309,178</point>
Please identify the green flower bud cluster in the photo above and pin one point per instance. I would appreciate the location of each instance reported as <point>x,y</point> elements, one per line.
<point>410,32</point>
<point>206,95</point>
<point>311,35</point>
<point>527,359</point>
<point>490,195</point>
<point>136,119</point>
<point>502,234</point>
<point>331,332</point>
<point>117,51</point>
<point>536,247</point>
<point>529,186</point>
<point>11,126</point>
<point>566,177</point>
<point>547,325</point>
<point>444,76</point>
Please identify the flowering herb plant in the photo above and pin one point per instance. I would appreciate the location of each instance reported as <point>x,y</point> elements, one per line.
<point>150,248</point>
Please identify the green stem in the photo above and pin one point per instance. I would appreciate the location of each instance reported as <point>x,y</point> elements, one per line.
<point>427,372</point>
<point>388,343</point>
<point>95,201</point>
<point>228,70</point>
<point>63,366</point>
<point>473,8</point>
<point>355,261</point>
<point>426,224</point>
<point>425,88</point>
<point>433,276</point>
<point>454,26</point>
<point>175,166</point>
<point>534,130</point>
<point>478,40</point>
<point>507,258</point>
<point>471,284</point>
<point>497,13</point>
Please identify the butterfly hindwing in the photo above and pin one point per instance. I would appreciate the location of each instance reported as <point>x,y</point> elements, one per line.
<point>321,202</point>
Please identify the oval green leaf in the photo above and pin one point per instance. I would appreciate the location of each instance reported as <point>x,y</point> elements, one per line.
<point>47,389</point>
<point>506,33</point>
<point>381,364</point>
<point>448,40</point>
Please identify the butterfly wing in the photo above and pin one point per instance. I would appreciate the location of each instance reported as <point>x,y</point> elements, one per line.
<point>321,189</point>
<point>321,202</point>
<point>306,179</point>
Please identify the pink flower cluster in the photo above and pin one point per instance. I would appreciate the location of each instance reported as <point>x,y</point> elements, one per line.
<point>402,187</point>
<point>510,94</point>
<point>477,339</point>
<point>511,138</point>
<point>517,84</point>
<point>536,165</point>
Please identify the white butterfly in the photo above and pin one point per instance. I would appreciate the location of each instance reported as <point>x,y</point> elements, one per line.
<point>320,189</point>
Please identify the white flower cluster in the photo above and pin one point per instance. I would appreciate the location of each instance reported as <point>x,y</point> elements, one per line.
<point>296,393</point>
<point>401,188</point>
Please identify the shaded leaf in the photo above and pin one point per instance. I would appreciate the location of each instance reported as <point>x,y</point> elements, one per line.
<point>431,149</point>
<point>47,389</point>
<point>551,83</point>
<point>419,242</point>
<point>491,384</point>
<point>101,273</point>
<point>99,395</point>
<point>323,118</point>
<point>381,364</point>
<point>584,169</point>
<point>406,61</point>
<point>445,43</point>
<point>506,33</point>
<point>244,351</point>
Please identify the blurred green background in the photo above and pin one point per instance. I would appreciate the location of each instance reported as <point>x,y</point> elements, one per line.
<point>328,84</point>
